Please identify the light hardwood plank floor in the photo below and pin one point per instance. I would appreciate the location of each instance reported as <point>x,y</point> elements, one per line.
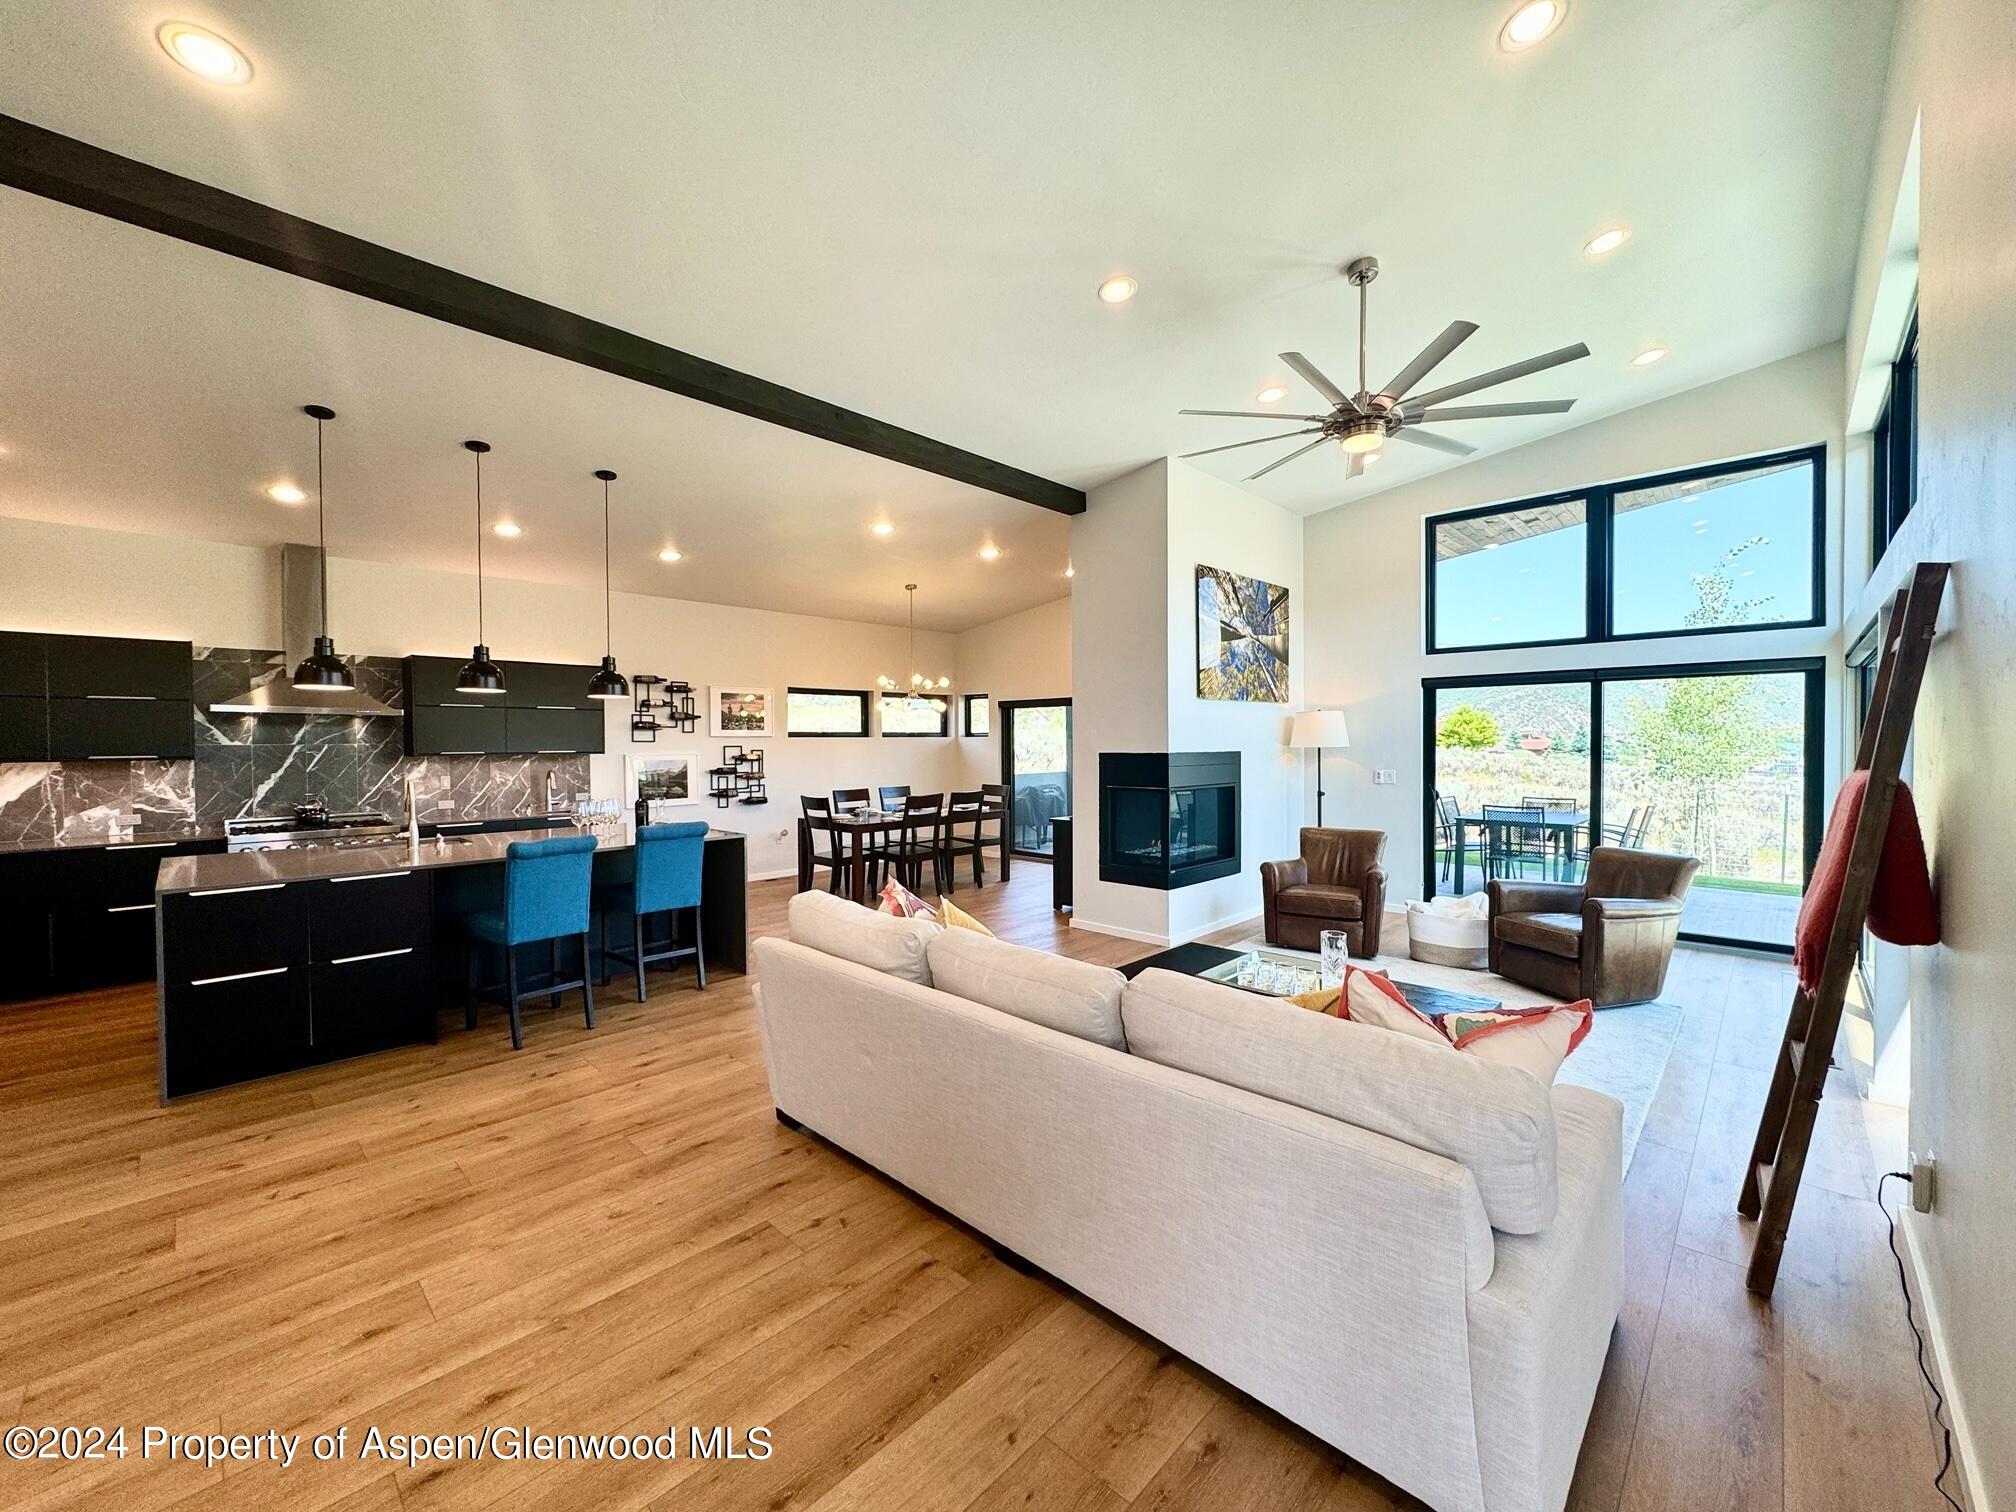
<point>610,1232</point>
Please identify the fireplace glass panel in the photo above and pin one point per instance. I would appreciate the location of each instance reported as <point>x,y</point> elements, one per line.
<point>1201,825</point>
<point>1136,818</point>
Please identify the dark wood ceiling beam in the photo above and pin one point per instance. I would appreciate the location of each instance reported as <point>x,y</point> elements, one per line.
<point>62,168</point>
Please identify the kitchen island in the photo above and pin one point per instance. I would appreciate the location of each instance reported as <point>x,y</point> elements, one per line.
<point>272,960</point>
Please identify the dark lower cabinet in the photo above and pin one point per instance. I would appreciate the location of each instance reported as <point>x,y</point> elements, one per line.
<point>104,944</point>
<point>27,945</point>
<point>112,729</point>
<point>361,1003</point>
<point>231,1028</point>
<point>82,916</point>
<point>368,915</point>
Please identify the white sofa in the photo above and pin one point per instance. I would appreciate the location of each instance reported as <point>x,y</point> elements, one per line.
<point>1320,1212</point>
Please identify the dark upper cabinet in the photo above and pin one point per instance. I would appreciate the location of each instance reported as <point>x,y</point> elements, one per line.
<point>553,732</point>
<point>24,668</point>
<point>547,685</point>
<point>104,728</point>
<point>431,680</point>
<point>454,730</point>
<point>24,728</point>
<point>100,666</point>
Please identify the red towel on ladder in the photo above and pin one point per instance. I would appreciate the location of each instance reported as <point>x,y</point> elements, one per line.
<point>1901,909</point>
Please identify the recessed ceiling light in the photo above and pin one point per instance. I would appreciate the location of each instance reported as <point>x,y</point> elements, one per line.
<point>1606,241</point>
<point>1274,393</point>
<point>671,554</point>
<point>1533,22</point>
<point>882,528</point>
<point>1118,290</point>
<point>1649,356</point>
<point>285,493</point>
<point>508,530</point>
<point>204,53</point>
<point>989,552</point>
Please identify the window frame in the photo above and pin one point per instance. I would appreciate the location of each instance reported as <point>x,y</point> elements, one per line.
<point>862,695</point>
<point>1894,482</point>
<point>1599,573</point>
<point>943,731</point>
<point>966,702</point>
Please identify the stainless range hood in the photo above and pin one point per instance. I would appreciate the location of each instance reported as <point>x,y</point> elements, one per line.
<point>300,621</point>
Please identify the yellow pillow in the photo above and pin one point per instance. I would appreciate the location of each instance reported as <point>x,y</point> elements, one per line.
<point>1323,1000</point>
<point>952,916</point>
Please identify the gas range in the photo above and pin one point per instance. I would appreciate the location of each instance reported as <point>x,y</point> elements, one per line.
<point>311,825</point>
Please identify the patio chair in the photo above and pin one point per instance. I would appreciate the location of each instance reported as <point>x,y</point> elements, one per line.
<point>1513,839</point>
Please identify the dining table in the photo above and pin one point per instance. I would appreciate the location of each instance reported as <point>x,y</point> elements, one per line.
<point>1561,825</point>
<point>859,825</point>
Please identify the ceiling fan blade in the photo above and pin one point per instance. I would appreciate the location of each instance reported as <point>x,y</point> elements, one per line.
<point>1432,441</point>
<point>1253,414</point>
<point>1300,451</point>
<point>1313,376</point>
<point>1502,375</point>
<point>1494,411</point>
<point>1256,441</point>
<point>1354,464</point>
<point>1459,331</point>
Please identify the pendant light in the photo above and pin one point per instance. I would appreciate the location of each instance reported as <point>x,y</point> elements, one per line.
<point>322,668</point>
<point>607,681</point>
<point>479,674</point>
<point>920,685</point>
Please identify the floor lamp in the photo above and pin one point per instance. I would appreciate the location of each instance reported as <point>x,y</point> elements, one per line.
<point>1315,729</point>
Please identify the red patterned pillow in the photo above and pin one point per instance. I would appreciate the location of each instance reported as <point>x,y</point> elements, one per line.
<point>1536,1040</point>
<point>900,901</point>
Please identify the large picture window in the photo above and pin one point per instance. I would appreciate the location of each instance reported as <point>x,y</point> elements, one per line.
<point>1736,546</point>
<point>903,715</point>
<point>831,712</point>
<point>1719,760</point>
<point>1895,485</point>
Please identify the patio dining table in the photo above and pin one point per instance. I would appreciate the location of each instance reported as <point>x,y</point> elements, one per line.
<point>859,824</point>
<point>1561,825</point>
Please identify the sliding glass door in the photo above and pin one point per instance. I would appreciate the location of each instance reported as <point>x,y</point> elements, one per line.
<point>1720,761</point>
<point>1036,766</point>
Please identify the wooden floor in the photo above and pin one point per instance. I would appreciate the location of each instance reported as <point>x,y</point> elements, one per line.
<point>610,1232</point>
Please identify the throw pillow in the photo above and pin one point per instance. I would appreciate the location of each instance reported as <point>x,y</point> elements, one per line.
<point>1370,998</point>
<point>1536,1040</point>
<point>900,901</point>
<point>952,916</point>
<point>1322,1000</point>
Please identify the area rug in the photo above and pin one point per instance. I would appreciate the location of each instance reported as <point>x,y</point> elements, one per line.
<point>1625,1054</point>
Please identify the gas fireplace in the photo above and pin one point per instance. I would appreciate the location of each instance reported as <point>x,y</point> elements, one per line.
<point>1167,820</point>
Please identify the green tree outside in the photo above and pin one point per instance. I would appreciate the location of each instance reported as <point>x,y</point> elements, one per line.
<point>1467,728</point>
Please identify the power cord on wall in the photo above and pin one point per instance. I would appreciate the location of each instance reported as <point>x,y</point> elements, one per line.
<point>1918,1334</point>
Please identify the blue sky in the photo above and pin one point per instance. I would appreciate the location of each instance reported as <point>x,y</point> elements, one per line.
<point>1533,589</point>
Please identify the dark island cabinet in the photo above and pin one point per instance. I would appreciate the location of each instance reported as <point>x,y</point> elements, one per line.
<point>94,698</point>
<point>545,711</point>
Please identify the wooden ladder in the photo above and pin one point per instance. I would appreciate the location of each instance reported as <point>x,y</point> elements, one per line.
<point>1785,1132</point>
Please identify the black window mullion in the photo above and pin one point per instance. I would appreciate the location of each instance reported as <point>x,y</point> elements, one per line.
<point>1602,562</point>
<point>1595,762</point>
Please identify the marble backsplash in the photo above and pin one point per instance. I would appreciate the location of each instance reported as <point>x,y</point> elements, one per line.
<point>264,764</point>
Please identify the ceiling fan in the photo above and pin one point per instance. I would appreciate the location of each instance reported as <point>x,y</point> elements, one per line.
<point>1361,422</point>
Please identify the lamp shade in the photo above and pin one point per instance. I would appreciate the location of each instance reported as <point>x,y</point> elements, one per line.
<point>1321,728</point>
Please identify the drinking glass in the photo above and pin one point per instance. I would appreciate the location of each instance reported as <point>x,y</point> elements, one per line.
<point>1336,948</point>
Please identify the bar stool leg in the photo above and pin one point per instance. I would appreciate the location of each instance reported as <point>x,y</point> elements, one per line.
<point>699,950</point>
<point>511,992</point>
<point>637,931</point>
<point>553,971</point>
<point>587,985</point>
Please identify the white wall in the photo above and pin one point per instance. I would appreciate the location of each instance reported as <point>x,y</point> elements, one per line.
<point>1954,61</point>
<point>63,578</point>
<point>1364,632</point>
<point>1026,655</point>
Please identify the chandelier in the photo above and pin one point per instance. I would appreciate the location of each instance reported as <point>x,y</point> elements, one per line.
<point>921,687</point>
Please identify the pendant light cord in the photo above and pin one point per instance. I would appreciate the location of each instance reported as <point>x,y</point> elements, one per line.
<point>608,623</point>
<point>1361,335</point>
<point>479,548</point>
<point>321,529</point>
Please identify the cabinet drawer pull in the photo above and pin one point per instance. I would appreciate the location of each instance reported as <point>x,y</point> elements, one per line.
<point>564,708</point>
<point>451,703</point>
<point>218,892</point>
<point>372,877</point>
<point>555,751</point>
<point>240,976</point>
<point>130,756</point>
<point>122,697</point>
<point>376,955</point>
<point>126,845</point>
<point>460,753</point>
<point>458,824</point>
<point>132,908</point>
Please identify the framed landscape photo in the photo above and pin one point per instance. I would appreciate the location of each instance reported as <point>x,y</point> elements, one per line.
<point>668,780</point>
<point>1242,638</point>
<point>745,713</point>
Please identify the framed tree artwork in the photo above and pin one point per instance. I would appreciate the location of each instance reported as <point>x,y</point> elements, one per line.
<point>741,713</point>
<point>1242,638</point>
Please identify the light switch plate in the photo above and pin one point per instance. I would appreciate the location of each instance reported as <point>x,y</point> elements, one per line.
<point>1385,777</point>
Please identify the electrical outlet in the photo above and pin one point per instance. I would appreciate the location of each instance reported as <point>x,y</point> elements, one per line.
<point>1924,1181</point>
<point>1385,777</point>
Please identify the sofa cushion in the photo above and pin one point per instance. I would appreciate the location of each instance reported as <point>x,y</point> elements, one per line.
<point>879,941</point>
<point>1495,1120</point>
<point>1556,933</point>
<point>1072,997</point>
<point>1320,900</point>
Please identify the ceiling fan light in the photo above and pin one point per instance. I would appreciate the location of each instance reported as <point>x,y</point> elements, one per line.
<point>1362,441</point>
<point>1274,393</point>
<point>1649,356</point>
<point>1531,23</point>
<point>1606,241</point>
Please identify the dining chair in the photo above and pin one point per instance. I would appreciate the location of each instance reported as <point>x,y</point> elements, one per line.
<point>921,839</point>
<point>1557,805</point>
<point>819,820</point>
<point>993,827</point>
<point>964,819</point>
<point>546,898</point>
<point>668,860</point>
<point>892,798</point>
<point>1448,832</point>
<point>845,799</point>
<point>1641,822</point>
<point>1512,838</point>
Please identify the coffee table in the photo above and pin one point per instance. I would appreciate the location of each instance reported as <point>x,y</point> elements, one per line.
<point>1215,963</point>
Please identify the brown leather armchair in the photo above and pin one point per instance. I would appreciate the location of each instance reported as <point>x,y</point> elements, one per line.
<point>1336,883</point>
<point>1607,939</point>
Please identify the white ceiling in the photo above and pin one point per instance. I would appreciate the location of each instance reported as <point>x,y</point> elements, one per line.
<point>905,209</point>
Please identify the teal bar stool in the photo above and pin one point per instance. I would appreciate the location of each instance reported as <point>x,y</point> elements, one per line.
<point>546,893</point>
<point>666,880</point>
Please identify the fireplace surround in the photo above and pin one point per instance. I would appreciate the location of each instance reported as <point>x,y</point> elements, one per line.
<point>1168,819</point>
